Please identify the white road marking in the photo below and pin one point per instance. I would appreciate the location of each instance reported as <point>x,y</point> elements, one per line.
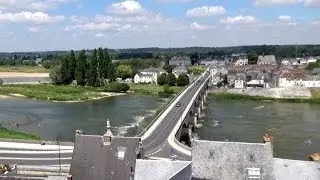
<point>37,159</point>
<point>34,152</point>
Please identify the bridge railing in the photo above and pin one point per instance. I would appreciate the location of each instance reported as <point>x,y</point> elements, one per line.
<point>166,107</point>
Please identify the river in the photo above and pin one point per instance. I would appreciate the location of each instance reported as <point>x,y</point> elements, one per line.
<point>128,115</point>
<point>292,125</point>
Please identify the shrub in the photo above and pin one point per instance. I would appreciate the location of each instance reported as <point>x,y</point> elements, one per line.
<point>167,89</point>
<point>117,87</point>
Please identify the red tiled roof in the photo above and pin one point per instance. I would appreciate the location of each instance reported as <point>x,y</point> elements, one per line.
<point>293,74</point>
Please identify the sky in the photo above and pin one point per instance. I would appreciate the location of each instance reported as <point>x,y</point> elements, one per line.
<point>41,25</point>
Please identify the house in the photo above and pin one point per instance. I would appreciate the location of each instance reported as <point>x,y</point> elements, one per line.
<point>267,60</point>
<point>149,75</point>
<point>291,78</point>
<point>180,61</point>
<point>300,61</point>
<point>179,70</point>
<point>240,81</point>
<point>241,62</point>
<point>286,61</point>
<point>312,60</point>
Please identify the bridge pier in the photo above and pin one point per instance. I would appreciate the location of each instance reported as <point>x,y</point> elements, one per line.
<point>195,119</point>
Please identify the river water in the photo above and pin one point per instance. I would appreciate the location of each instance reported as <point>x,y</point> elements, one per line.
<point>244,121</point>
<point>128,115</point>
<point>295,127</point>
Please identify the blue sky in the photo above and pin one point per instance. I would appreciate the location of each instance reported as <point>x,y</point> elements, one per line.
<point>37,25</point>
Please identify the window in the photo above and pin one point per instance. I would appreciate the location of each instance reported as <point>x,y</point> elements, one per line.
<point>254,173</point>
<point>121,152</point>
<point>211,154</point>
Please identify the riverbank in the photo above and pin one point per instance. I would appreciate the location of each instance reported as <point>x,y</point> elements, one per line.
<point>55,93</point>
<point>227,95</point>
<point>9,134</point>
<point>152,89</point>
<point>24,69</point>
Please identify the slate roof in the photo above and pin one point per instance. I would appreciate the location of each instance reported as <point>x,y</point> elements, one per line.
<point>267,59</point>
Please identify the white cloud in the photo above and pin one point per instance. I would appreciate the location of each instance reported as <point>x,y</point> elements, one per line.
<point>197,26</point>
<point>36,29</point>
<point>238,20</point>
<point>308,3</point>
<point>29,17</point>
<point>312,3</point>
<point>79,19</point>
<point>316,23</point>
<point>175,1</point>
<point>275,2</point>
<point>284,18</point>
<point>205,11</point>
<point>34,5</point>
<point>127,7</point>
<point>98,35</point>
<point>94,27</point>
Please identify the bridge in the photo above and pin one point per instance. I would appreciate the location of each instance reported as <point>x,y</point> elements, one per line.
<point>169,136</point>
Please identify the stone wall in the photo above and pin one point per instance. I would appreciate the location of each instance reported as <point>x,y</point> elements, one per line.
<point>292,92</point>
<point>230,160</point>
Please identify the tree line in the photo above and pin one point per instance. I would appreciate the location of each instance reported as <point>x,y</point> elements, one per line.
<point>91,70</point>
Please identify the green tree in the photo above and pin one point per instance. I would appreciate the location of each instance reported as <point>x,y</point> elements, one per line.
<point>101,59</point>
<point>252,57</point>
<point>105,65</point>
<point>162,79</point>
<point>93,69</point>
<point>111,72</point>
<point>65,70</point>
<point>81,69</point>
<point>124,71</point>
<point>46,64</point>
<point>183,80</point>
<point>171,79</point>
<point>168,68</point>
<point>1,82</point>
<point>56,76</point>
<point>73,65</point>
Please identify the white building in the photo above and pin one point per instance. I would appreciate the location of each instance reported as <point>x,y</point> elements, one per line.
<point>298,79</point>
<point>149,75</point>
<point>239,84</point>
<point>312,60</point>
<point>241,62</point>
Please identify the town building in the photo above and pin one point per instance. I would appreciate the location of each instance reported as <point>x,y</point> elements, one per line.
<point>240,81</point>
<point>291,78</point>
<point>104,157</point>
<point>180,70</point>
<point>242,61</point>
<point>149,75</point>
<point>267,60</point>
<point>180,61</point>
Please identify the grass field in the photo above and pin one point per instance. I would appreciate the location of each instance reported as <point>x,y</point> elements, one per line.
<point>25,69</point>
<point>152,88</point>
<point>52,92</point>
<point>9,134</point>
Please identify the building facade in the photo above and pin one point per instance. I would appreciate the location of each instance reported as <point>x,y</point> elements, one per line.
<point>149,75</point>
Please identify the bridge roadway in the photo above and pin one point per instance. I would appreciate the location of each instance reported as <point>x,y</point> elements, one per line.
<point>156,144</point>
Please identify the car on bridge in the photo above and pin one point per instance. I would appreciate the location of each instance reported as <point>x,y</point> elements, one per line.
<point>178,104</point>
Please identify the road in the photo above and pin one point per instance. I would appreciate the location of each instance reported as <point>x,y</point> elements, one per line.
<point>156,144</point>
